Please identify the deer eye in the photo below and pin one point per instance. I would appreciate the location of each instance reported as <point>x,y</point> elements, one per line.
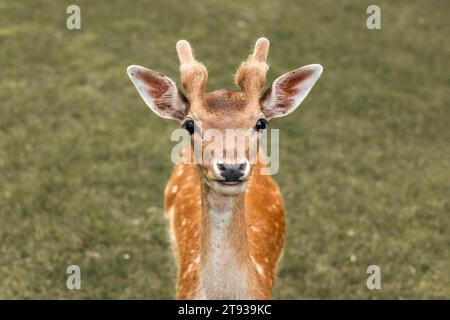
<point>189,126</point>
<point>261,124</point>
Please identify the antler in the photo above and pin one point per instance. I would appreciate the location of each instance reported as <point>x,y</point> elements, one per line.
<point>251,75</point>
<point>193,73</point>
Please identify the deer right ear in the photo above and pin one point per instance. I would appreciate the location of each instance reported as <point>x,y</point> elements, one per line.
<point>289,90</point>
<point>159,92</point>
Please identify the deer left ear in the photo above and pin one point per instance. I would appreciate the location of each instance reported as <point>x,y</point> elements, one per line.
<point>289,90</point>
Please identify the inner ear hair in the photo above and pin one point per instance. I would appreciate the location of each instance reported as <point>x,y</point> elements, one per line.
<point>159,92</point>
<point>289,90</point>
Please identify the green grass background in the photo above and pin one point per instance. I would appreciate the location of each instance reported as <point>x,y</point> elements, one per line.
<point>365,168</point>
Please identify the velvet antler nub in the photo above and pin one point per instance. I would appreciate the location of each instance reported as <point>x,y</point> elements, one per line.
<point>193,74</point>
<point>251,75</point>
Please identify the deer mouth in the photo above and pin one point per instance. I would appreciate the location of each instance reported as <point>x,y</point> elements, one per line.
<point>230,183</point>
<point>228,188</point>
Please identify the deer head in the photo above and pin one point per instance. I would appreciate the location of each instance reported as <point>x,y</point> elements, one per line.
<point>224,111</point>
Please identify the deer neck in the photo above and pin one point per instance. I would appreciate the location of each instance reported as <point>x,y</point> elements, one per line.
<point>224,253</point>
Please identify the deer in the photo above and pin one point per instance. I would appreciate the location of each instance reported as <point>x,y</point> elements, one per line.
<point>226,219</point>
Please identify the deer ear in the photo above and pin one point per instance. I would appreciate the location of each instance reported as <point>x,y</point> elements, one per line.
<point>159,92</point>
<point>288,91</point>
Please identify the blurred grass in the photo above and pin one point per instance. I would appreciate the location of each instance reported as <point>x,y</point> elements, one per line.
<point>365,165</point>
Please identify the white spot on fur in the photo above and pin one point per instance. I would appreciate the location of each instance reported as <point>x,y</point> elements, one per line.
<point>259,268</point>
<point>173,240</point>
<point>170,212</point>
<point>183,222</point>
<point>174,189</point>
<point>254,229</point>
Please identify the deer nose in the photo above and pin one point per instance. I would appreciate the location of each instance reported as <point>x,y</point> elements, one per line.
<point>231,172</point>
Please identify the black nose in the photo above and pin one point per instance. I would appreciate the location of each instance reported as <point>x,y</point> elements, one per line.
<point>231,172</point>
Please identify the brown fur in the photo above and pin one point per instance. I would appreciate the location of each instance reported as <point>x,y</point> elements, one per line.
<point>264,212</point>
<point>225,100</point>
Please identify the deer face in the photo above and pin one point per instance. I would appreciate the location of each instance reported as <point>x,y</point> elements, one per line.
<point>225,124</point>
<point>227,129</point>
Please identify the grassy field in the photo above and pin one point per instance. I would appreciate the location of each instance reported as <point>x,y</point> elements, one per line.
<point>365,167</point>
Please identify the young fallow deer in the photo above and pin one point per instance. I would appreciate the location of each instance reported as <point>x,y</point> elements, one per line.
<point>226,219</point>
